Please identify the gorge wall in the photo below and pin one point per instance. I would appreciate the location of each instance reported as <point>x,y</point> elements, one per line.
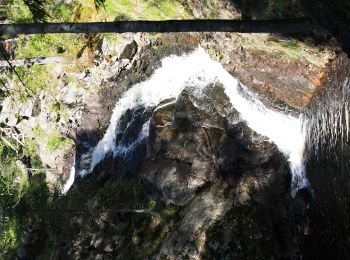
<point>188,174</point>
<point>203,185</point>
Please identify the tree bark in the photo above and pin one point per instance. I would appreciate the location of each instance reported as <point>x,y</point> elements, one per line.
<point>243,26</point>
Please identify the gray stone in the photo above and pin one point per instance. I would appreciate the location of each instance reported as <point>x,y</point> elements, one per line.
<point>129,51</point>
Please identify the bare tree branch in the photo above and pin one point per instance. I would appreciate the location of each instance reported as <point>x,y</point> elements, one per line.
<point>3,54</point>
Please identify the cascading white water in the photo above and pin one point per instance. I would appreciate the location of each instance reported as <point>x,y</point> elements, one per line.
<point>199,70</point>
<point>70,180</point>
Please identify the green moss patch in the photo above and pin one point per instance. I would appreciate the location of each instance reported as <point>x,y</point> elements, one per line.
<point>49,45</point>
<point>58,142</point>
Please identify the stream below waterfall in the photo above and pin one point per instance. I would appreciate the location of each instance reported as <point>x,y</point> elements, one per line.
<point>198,70</point>
<point>327,163</point>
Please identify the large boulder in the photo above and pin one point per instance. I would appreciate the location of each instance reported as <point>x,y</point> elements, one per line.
<point>201,155</point>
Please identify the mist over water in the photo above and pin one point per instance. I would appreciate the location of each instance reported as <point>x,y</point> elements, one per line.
<point>199,70</point>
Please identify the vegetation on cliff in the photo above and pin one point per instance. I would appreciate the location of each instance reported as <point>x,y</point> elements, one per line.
<point>114,214</point>
<point>28,201</point>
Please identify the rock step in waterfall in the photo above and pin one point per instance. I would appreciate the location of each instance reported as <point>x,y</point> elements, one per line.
<point>198,71</point>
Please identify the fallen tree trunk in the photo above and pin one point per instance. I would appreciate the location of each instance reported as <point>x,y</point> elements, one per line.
<point>243,26</point>
<point>33,61</point>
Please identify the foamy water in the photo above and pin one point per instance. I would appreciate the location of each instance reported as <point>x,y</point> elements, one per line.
<point>199,70</point>
<point>70,180</point>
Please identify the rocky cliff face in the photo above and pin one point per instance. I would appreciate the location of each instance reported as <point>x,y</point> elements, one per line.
<point>210,167</point>
<point>228,187</point>
<point>203,185</point>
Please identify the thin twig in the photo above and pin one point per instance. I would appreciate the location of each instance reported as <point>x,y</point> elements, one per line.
<point>8,143</point>
<point>29,92</point>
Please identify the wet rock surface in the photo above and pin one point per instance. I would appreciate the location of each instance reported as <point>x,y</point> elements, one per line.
<point>328,166</point>
<point>197,159</point>
<point>203,185</point>
<point>256,61</point>
<point>129,51</point>
<point>282,69</point>
<point>222,178</point>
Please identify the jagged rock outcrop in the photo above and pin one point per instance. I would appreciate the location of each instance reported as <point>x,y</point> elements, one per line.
<point>196,154</point>
<point>284,70</point>
<point>204,185</point>
<point>229,185</point>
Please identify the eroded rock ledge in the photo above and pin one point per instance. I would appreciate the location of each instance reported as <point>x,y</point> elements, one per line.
<point>212,171</point>
<point>208,187</point>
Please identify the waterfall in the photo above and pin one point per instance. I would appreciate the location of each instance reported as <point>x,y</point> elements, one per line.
<point>70,180</point>
<point>199,70</point>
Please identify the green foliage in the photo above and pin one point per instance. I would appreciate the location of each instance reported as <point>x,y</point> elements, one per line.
<point>283,9</point>
<point>18,12</point>
<point>23,203</point>
<point>292,44</point>
<point>27,11</point>
<point>270,9</point>
<point>284,50</point>
<point>9,237</point>
<point>38,209</point>
<point>30,151</point>
<point>213,13</point>
<point>122,17</point>
<point>57,142</point>
<point>34,78</point>
<point>166,217</point>
<point>123,193</point>
<point>151,226</point>
<point>35,208</point>
<point>13,184</point>
<point>62,12</point>
<point>56,106</point>
<point>46,45</point>
<point>37,131</point>
<point>12,180</point>
<point>276,6</point>
<point>151,9</point>
<point>6,153</point>
<point>168,212</point>
<point>316,54</point>
<point>37,198</point>
<point>37,8</point>
<point>99,4</point>
<point>49,45</point>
